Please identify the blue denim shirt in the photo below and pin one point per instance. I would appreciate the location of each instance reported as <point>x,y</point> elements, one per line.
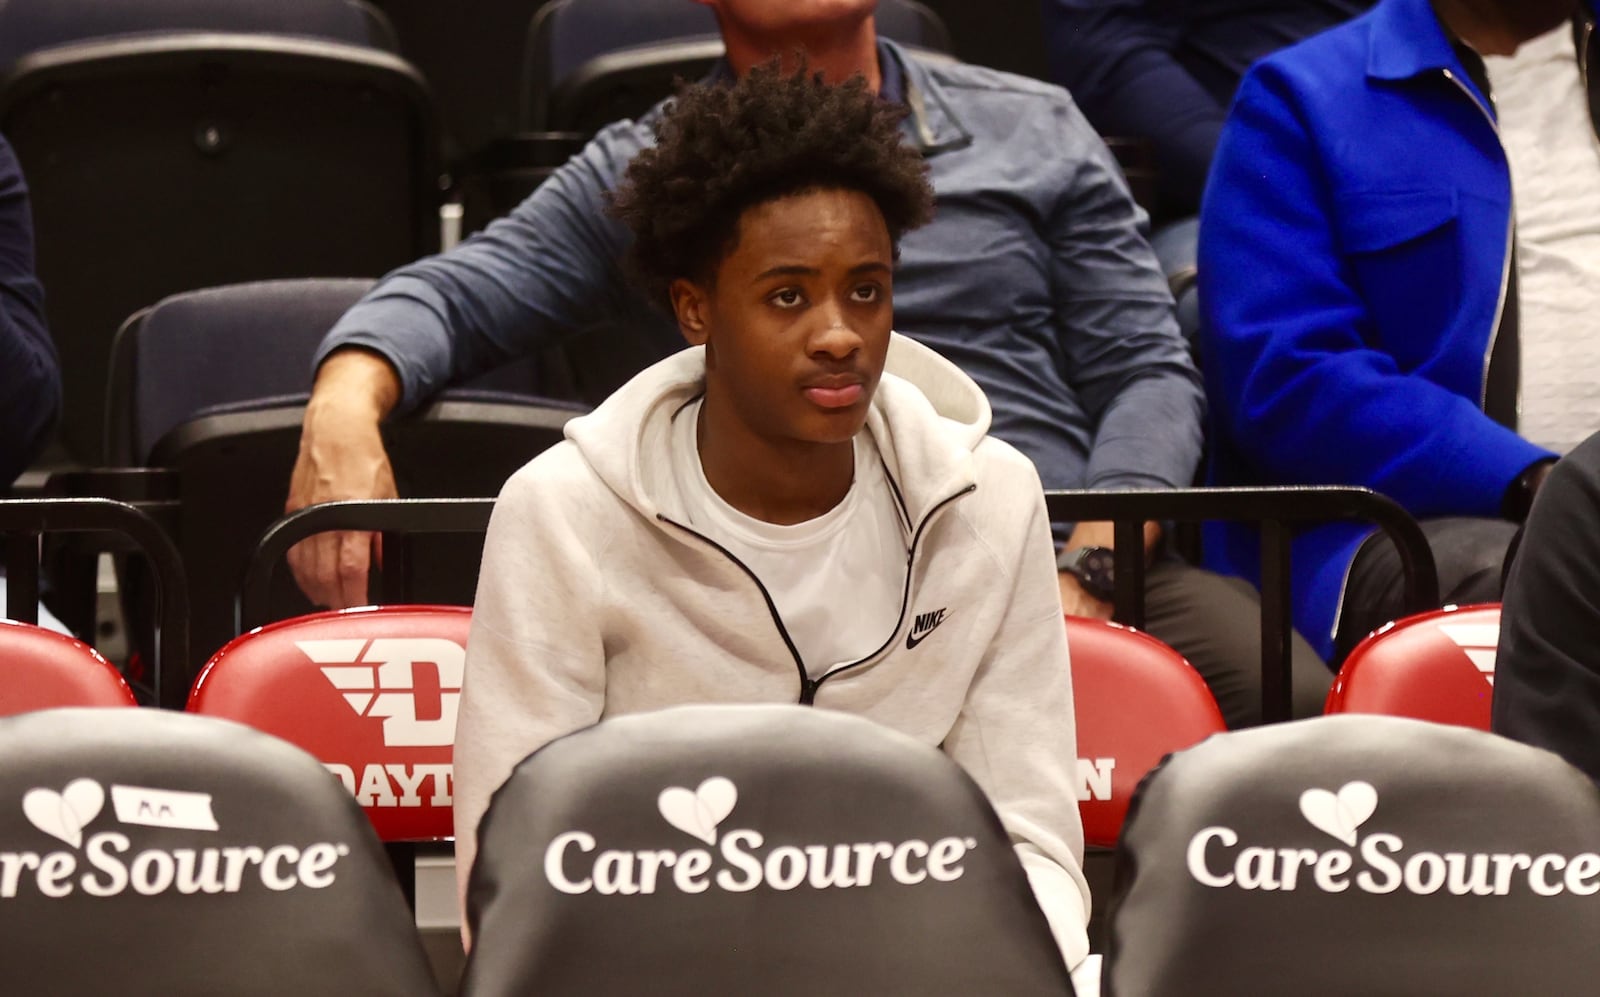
<point>1034,277</point>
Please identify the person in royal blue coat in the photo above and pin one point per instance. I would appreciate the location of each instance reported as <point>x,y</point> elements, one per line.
<point>1359,285</point>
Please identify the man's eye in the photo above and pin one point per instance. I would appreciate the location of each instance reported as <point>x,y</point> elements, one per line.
<point>867,293</point>
<point>786,298</point>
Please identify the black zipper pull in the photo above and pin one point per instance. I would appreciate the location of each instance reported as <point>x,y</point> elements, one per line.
<point>808,691</point>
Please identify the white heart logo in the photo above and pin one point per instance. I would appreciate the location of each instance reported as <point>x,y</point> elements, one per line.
<point>1339,814</point>
<point>65,814</point>
<point>698,812</point>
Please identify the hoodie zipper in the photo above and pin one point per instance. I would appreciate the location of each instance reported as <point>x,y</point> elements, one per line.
<point>1505,266</point>
<point>809,685</point>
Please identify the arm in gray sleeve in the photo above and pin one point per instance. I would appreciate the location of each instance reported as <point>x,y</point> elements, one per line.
<point>1125,358</point>
<point>549,268</point>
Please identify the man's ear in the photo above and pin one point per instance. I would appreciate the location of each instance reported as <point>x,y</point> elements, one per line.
<point>691,304</point>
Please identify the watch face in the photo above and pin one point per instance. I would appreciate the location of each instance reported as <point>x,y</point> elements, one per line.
<point>1096,571</point>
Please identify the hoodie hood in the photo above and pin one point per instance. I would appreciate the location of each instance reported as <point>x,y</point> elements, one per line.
<point>927,418</point>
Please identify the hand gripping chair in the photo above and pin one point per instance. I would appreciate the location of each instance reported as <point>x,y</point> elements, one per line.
<point>1357,855</point>
<point>779,804</point>
<point>1432,666</point>
<point>157,854</point>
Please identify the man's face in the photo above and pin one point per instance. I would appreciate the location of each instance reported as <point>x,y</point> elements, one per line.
<point>765,18</point>
<point>796,322</point>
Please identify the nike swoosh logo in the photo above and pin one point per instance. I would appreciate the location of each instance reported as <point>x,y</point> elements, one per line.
<point>914,638</point>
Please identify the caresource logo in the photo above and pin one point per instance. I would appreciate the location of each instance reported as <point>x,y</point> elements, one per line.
<point>112,866</point>
<point>1379,863</point>
<point>413,683</point>
<point>740,863</point>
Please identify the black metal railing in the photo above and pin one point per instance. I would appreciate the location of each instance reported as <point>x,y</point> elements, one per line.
<point>396,519</point>
<point>1275,511</point>
<point>23,522</point>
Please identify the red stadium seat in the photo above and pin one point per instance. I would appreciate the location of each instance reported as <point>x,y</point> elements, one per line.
<point>372,693</point>
<point>44,669</point>
<point>1435,666</point>
<point>1137,700</point>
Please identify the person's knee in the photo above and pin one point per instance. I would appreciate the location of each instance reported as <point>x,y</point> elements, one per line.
<point>1471,555</point>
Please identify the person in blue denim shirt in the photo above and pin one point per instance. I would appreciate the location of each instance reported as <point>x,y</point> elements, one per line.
<point>1034,277</point>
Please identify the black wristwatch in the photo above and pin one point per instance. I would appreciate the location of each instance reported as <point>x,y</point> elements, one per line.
<point>1095,568</point>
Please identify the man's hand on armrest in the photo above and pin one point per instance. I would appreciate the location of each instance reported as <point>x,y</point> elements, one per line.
<point>342,457</point>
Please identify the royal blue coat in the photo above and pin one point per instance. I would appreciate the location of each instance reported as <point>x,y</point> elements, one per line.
<point>1355,238</point>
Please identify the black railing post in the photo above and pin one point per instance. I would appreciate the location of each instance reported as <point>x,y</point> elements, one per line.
<point>1276,623</point>
<point>1127,538</point>
<point>22,576</point>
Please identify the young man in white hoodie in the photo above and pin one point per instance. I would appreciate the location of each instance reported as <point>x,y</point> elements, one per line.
<point>804,508</point>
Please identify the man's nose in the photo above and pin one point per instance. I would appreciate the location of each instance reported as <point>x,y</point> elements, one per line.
<point>834,336</point>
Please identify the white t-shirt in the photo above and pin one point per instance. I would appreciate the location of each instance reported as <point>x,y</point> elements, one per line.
<point>1549,139</point>
<point>838,580</point>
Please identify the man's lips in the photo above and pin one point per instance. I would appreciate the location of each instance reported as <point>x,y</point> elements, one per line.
<point>836,391</point>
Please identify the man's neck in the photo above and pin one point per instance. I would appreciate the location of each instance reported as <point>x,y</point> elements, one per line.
<point>1499,27</point>
<point>775,484</point>
<point>836,54</point>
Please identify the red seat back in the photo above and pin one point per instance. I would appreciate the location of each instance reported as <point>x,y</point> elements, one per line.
<point>372,693</point>
<point>1433,666</point>
<point>41,669</point>
<point>1137,700</point>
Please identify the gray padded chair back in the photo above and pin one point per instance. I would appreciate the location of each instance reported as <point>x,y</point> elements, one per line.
<point>781,807</point>
<point>160,854</point>
<point>239,155</point>
<point>1357,855</point>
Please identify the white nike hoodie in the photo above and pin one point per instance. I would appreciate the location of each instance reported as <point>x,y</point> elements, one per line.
<point>594,600</point>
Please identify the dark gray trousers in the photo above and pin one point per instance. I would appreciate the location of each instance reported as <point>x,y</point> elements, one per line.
<point>1470,553</point>
<point>1215,622</point>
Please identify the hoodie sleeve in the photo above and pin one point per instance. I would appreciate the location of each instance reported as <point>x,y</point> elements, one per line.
<point>1016,734</point>
<point>535,666</point>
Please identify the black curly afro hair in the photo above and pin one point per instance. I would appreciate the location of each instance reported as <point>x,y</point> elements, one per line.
<point>722,149</point>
